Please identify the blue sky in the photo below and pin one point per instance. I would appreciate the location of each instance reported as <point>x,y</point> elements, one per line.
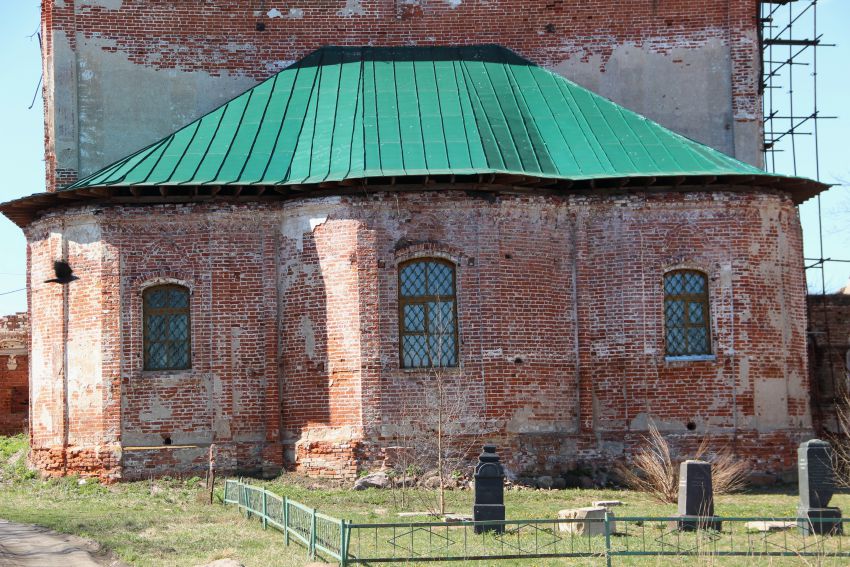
<point>22,146</point>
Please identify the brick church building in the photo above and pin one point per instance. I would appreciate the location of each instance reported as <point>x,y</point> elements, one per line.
<point>14,390</point>
<point>290,219</point>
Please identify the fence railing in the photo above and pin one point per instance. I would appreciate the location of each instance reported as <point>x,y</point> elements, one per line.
<point>603,539</point>
<point>319,533</point>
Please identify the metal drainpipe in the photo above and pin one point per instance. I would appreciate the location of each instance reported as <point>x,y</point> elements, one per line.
<point>65,407</point>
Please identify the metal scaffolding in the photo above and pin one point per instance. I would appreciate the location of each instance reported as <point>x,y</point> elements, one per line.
<point>789,40</point>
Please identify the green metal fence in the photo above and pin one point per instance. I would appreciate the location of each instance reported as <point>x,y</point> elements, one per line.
<point>319,533</point>
<point>608,540</point>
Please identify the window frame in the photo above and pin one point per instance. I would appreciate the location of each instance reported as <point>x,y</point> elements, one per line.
<point>149,311</point>
<point>703,299</point>
<point>424,300</point>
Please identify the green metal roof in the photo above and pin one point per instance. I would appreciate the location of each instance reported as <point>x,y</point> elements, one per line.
<point>360,112</point>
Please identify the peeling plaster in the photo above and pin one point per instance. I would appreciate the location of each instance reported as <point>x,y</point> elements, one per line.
<point>235,335</point>
<point>641,423</point>
<point>292,14</point>
<point>309,335</point>
<point>690,105</point>
<point>352,8</point>
<point>157,410</point>
<point>344,433</point>
<point>112,90</point>
<point>108,4</point>
<point>311,216</point>
<point>771,403</point>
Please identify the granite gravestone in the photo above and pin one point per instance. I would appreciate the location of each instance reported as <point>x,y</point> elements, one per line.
<point>696,498</point>
<point>489,491</point>
<point>817,485</point>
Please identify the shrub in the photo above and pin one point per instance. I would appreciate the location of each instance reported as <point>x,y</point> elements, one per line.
<point>655,472</point>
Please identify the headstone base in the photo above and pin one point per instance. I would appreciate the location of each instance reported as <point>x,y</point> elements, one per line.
<point>489,512</point>
<point>820,521</point>
<point>694,523</point>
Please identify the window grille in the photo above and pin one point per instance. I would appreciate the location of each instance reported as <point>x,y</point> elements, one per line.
<point>686,313</point>
<point>167,331</point>
<point>428,335</point>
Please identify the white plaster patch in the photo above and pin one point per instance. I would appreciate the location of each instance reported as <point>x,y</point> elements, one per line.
<point>771,404</point>
<point>317,221</point>
<point>309,335</point>
<point>279,65</point>
<point>274,13</point>
<point>108,4</point>
<point>156,412</point>
<point>296,225</point>
<point>642,420</point>
<point>454,3</point>
<point>45,419</point>
<point>351,8</point>
<point>235,345</point>
<point>344,433</point>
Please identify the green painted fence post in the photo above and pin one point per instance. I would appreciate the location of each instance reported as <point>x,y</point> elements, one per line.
<point>265,515</point>
<point>312,533</point>
<point>286,520</point>
<point>607,540</point>
<point>343,545</point>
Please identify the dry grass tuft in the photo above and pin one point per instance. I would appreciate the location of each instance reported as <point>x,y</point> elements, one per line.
<point>656,473</point>
<point>653,472</point>
<point>840,442</point>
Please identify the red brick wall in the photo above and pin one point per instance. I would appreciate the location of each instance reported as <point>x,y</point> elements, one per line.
<point>829,358</point>
<point>14,370</point>
<point>221,38</point>
<point>295,329</point>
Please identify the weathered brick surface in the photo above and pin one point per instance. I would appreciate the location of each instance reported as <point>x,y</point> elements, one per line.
<point>829,357</point>
<point>220,39</point>
<point>14,367</point>
<point>295,329</point>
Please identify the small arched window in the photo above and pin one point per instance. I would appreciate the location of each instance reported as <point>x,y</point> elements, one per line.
<point>167,329</point>
<point>427,314</point>
<point>686,313</point>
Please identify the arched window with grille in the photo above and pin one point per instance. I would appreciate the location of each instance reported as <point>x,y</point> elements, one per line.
<point>167,328</point>
<point>428,335</point>
<point>686,313</point>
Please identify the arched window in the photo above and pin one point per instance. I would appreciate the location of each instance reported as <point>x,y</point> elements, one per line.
<point>686,313</point>
<point>427,314</point>
<point>167,332</point>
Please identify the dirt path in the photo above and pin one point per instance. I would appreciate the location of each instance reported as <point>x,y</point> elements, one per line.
<point>23,545</point>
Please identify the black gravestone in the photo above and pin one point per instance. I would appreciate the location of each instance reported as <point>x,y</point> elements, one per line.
<point>817,485</point>
<point>696,498</point>
<point>489,491</point>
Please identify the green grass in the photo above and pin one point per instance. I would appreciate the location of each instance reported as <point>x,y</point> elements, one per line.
<point>165,523</point>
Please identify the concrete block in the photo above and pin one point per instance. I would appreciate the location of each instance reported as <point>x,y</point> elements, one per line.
<point>589,521</point>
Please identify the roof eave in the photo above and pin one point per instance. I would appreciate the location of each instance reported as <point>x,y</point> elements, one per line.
<point>25,210</point>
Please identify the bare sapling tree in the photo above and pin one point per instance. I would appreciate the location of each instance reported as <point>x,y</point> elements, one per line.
<point>444,420</point>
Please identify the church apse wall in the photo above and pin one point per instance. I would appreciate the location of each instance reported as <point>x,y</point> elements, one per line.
<point>289,321</point>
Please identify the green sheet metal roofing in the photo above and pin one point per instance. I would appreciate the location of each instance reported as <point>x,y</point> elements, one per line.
<point>362,112</point>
